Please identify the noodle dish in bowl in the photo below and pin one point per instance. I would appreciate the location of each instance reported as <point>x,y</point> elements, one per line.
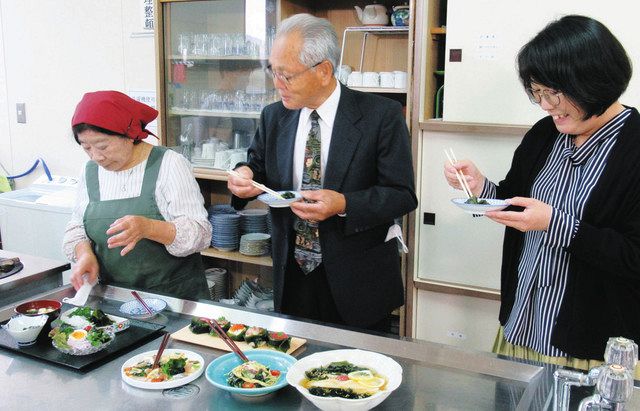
<point>264,373</point>
<point>345,379</point>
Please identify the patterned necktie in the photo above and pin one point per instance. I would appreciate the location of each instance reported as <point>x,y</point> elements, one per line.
<point>307,251</point>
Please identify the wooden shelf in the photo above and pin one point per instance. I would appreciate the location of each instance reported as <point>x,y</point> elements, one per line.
<point>212,113</point>
<point>380,29</point>
<point>209,173</point>
<point>380,90</point>
<point>213,58</point>
<point>237,256</point>
<point>438,30</point>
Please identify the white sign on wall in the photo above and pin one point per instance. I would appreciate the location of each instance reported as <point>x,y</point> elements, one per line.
<point>148,98</point>
<point>147,15</point>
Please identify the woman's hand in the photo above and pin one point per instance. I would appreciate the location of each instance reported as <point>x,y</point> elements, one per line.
<point>475,179</point>
<point>127,231</point>
<point>241,187</point>
<point>536,215</point>
<point>86,266</point>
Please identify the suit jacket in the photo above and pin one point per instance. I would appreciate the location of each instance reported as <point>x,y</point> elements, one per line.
<point>370,163</point>
<point>602,296</point>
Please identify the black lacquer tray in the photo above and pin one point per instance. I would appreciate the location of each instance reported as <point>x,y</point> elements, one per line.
<point>138,333</point>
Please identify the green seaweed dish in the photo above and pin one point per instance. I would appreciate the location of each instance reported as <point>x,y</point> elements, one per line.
<point>475,200</point>
<point>287,195</point>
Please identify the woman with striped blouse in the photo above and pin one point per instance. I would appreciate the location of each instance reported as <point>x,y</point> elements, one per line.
<point>571,252</point>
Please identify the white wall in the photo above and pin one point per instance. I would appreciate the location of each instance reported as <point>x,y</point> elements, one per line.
<point>51,53</point>
<point>484,87</point>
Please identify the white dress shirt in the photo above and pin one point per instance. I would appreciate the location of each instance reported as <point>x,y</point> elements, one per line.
<point>177,195</point>
<point>327,112</point>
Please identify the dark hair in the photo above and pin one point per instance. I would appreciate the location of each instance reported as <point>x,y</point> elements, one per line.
<point>79,128</point>
<point>580,57</point>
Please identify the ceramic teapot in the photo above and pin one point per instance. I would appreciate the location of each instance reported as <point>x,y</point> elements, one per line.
<point>373,15</point>
<point>400,15</point>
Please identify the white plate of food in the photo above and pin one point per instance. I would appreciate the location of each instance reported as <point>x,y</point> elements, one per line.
<point>177,367</point>
<point>347,379</point>
<point>81,317</point>
<point>479,206</point>
<point>273,201</point>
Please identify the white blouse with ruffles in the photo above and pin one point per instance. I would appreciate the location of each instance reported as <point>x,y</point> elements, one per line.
<point>177,195</point>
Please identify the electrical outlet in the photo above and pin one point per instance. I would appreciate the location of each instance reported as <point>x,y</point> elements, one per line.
<point>458,335</point>
<point>21,114</point>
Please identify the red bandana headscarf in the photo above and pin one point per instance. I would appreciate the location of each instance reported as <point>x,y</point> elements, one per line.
<point>115,111</point>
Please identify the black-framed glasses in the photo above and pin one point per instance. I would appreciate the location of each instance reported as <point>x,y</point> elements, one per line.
<point>550,96</point>
<point>288,79</point>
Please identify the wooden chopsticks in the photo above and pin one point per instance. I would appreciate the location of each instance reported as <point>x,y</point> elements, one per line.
<point>257,185</point>
<point>461,179</point>
<point>232,344</point>
<point>141,301</point>
<point>163,345</point>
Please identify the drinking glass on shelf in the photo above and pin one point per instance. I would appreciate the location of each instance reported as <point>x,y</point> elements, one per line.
<point>228,44</point>
<point>184,43</point>
<point>240,101</point>
<point>238,44</point>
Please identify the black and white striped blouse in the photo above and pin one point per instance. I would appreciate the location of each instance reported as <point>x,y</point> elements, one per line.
<point>565,182</point>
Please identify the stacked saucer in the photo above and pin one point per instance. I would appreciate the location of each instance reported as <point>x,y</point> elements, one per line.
<point>253,221</point>
<point>217,282</point>
<point>221,209</point>
<point>255,244</point>
<point>251,295</point>
<point>226,233</point>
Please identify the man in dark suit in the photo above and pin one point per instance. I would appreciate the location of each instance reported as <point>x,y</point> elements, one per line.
<point>349,154</point>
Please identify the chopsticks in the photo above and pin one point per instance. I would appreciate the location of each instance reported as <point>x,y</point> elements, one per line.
<point>141,301</point>
<point>461,179</point>
<point>232,344</point>
<point>163,345</point>
<point>257,185</point>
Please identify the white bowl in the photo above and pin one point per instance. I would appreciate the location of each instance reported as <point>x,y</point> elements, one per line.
<point>382,364</point>
<point>25,329</point>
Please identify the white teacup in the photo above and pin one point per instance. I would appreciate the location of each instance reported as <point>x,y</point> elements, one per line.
<point>343,73</point>
<point>208,150</point>
<point>400,79</point>
<point>238,156</point>
<point>387,79</point>
<point>222,159</point>
<point>370,79</point>
<point>355,79</point>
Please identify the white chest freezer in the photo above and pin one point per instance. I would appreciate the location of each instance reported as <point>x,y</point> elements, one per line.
<point>33,219</point>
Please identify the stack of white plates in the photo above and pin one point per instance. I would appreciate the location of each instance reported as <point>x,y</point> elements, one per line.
<point>217,282</point>
<point>255,244</point>
<point>202,162</point>
<point>253,221</point>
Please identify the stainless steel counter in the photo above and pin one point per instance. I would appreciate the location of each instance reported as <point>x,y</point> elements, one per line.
<point>38,275</point>
<point>435,377</point>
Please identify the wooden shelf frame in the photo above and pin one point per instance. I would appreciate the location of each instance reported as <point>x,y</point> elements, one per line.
<point>264,261</point>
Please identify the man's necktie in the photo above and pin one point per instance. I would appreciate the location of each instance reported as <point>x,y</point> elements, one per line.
<point>307,250</point>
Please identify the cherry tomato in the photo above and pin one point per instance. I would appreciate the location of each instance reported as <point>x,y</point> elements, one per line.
<point>343,377</point>
<point>275,373</point>
<point>87,328</point>
<point>248,385</point>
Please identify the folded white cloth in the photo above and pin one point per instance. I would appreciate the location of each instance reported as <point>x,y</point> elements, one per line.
<point>81,296</point>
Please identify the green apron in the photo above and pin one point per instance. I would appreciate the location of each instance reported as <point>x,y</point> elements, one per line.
<point>148,266</point>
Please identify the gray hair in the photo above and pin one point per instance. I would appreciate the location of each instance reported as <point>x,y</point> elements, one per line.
<point>319,39</point>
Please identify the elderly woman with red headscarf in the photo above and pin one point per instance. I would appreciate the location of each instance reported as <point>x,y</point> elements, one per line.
<point>139,220</point>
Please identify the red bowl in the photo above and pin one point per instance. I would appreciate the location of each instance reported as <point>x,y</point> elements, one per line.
<point>29,307</point>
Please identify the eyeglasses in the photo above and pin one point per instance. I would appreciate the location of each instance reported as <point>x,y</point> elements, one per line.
<point>287,79</point>
<point>550,96</point>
